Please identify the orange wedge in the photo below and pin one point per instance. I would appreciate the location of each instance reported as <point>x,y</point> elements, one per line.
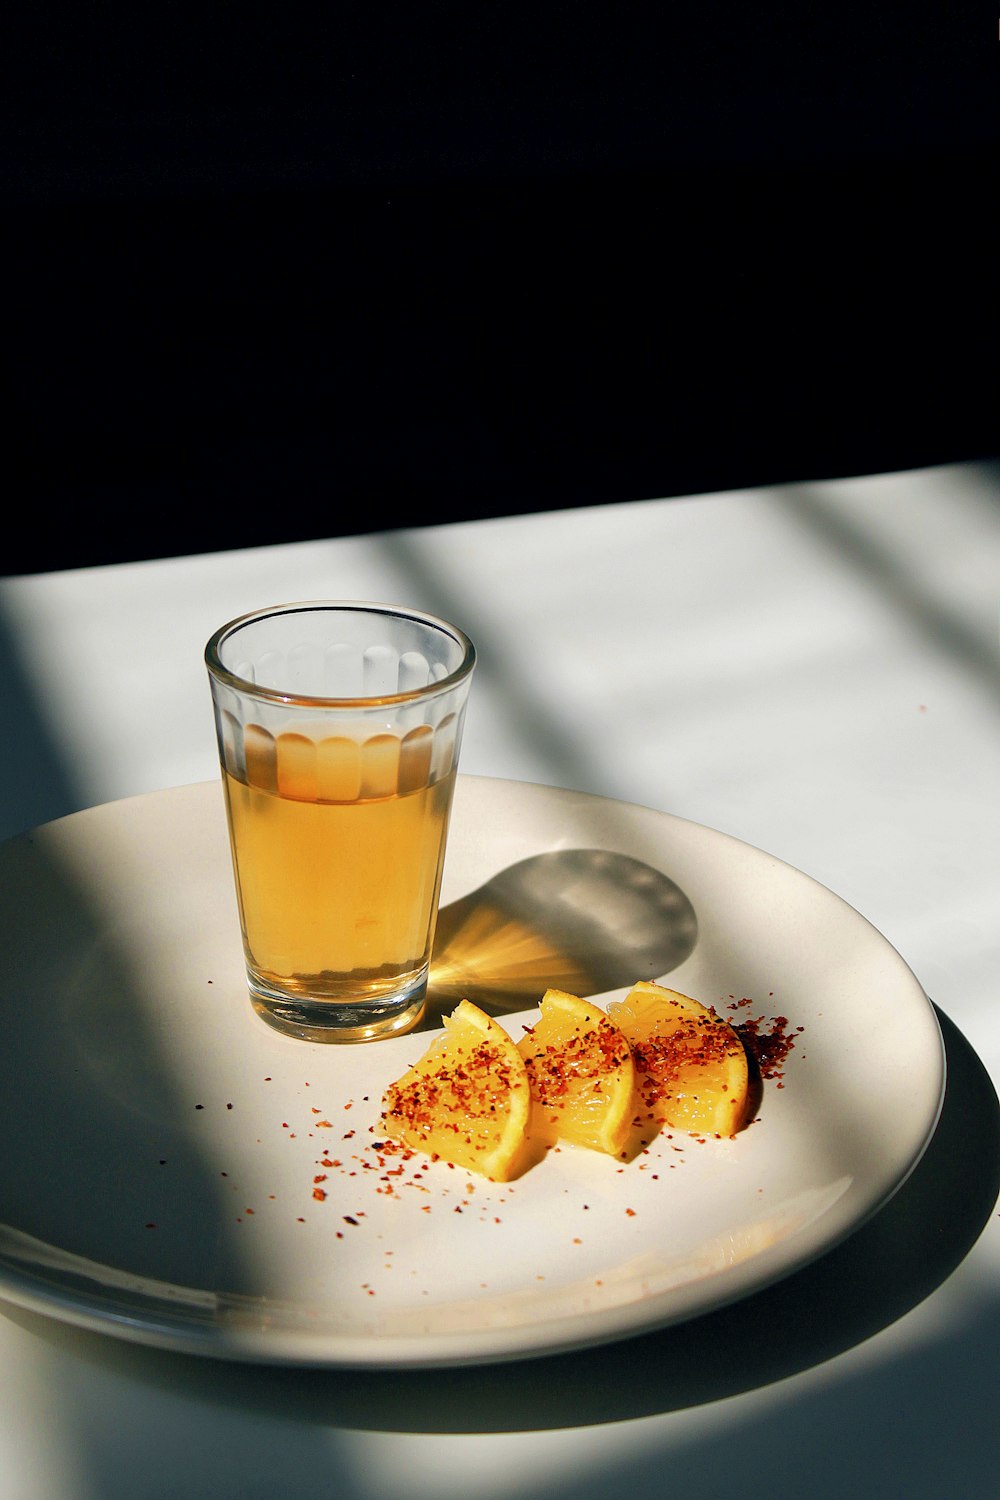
<point>581,1075</point>
<point>467,1100</point>
<point>691,1067</point>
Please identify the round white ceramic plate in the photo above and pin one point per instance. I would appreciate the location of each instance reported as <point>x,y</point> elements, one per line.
<point>175,1172</point>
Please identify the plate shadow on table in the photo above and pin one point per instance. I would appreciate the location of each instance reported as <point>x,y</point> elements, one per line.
<point>883,1270</point>
<point>583,920</point>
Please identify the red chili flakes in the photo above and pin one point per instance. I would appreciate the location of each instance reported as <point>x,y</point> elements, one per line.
<point>586,1057</point>
<point>768,1044</point>
<point>319,1194</point>
<point>454,1097</point>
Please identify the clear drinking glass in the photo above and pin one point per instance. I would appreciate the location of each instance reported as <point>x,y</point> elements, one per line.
<point>339,727</point>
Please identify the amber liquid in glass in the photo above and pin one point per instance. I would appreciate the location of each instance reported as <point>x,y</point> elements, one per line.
<point>337,899</point>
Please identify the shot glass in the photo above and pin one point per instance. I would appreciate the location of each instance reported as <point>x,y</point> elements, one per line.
<point>339,727</point>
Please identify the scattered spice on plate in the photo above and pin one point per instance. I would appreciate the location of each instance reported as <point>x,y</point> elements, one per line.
<point>768,1042</point>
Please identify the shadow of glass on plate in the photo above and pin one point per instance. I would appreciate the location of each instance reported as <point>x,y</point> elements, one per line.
<point>880,1272</point>
<point>583,920</point>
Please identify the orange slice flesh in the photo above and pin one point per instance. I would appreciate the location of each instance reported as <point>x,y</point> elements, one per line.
<point>581,1075</point>
<point>467,1100</point>
<point>691,1067</point>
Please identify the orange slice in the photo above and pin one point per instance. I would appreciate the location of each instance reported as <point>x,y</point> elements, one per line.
<point>467,1100</point>
<point>581,1075</point>
<point>691,1067</point>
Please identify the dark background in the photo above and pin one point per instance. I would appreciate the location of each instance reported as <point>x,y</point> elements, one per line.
<point>271,279</point>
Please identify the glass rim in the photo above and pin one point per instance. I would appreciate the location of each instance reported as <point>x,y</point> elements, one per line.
<point>222,674</point>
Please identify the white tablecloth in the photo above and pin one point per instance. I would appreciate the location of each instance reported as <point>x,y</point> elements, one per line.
<point>813,668</point>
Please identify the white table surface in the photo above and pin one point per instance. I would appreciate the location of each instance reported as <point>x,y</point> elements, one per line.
<point>814,668</point>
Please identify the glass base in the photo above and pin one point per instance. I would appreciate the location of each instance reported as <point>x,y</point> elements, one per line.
<point>342,1020</point>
